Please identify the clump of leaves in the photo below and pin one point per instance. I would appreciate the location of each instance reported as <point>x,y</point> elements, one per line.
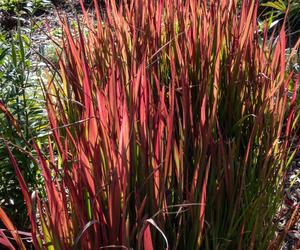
<point>165,118</point>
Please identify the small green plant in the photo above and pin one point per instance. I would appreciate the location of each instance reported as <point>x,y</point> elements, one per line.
<point>11,5</point>
<point>20,92</point>
<point>28,6</point>
<point>276,11</point>
<point>37,6</point>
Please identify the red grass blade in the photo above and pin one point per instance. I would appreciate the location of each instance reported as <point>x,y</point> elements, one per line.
<point>6,221</point>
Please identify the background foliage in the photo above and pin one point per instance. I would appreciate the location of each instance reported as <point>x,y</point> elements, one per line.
<point>27,6</point>
<point>21,93</point>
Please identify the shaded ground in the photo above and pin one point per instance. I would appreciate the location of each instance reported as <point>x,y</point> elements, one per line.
<point>288,217</point>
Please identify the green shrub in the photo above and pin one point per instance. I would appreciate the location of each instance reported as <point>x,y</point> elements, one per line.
<point>20,93</point>
<point>28,6</point>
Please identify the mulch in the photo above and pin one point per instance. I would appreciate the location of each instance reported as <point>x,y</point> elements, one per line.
<point>288,216</point>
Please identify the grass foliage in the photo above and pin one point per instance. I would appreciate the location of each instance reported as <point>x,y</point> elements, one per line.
<point>170,128</point>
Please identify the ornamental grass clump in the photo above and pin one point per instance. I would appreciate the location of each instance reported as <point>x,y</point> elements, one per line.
<point>170,129</point>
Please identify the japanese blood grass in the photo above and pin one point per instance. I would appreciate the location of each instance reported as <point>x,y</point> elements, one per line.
<point>166,118</point>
